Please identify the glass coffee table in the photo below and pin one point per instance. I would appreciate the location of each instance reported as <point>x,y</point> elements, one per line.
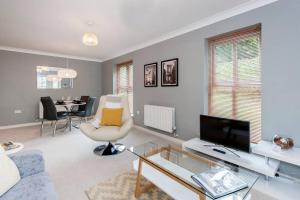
<point>170,168</point>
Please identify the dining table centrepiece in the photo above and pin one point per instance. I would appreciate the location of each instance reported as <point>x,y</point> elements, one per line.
<point>77,101</point>
<point>60,102</point>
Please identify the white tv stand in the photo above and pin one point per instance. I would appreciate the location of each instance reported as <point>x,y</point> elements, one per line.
<point>269,150</point>
<point>246,160</point>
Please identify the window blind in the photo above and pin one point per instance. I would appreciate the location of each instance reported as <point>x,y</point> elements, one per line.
<point>235,78</point>
<point>125,81</point>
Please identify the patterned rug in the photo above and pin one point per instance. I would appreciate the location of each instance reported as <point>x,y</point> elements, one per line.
<point>122,187</point>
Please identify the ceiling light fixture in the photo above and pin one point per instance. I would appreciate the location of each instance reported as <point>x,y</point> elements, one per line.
<point>90,39</point>
<point>40,69</point>
<point>67,73</point>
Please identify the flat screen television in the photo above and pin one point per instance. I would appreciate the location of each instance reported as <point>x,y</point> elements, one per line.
<point>227,132</point>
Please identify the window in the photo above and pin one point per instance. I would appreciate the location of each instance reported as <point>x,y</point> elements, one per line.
<point>125,81</point>
<point>235,78</point>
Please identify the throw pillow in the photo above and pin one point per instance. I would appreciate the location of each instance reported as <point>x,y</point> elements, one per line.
<point>111,117</point>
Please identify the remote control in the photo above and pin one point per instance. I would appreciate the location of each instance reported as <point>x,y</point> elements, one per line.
<point>220,151</point>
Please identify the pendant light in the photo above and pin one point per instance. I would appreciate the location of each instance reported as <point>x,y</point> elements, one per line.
<point>89,38</point>
<point>67,73</point>
<point>40,69</point>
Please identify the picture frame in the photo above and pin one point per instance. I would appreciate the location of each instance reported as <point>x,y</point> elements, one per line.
<point>169,72</point>
<point>150,75</point>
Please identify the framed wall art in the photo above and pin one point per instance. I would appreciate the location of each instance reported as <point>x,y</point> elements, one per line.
<point>169,72</point>
<point>150,75</point>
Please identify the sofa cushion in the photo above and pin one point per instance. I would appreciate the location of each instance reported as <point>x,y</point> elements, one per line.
<point>9,173</point>
<point>34,187</point>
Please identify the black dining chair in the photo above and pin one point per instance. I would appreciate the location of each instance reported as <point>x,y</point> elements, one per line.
<point>83,99</point>
<point>87,112</point>
<point>50,113</point>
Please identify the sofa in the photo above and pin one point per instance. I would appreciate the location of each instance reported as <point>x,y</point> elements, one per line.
<point>35,183</point>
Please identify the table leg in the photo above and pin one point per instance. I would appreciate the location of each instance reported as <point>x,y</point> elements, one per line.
<point>168,152</point>
<point>70,124</point>
<point>138,180</point>
<point>202,196</point>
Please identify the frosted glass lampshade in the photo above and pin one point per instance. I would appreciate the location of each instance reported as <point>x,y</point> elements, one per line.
<point>53,78</point>
<point>67,73</point>
<point>40,69</point>
<point>90,39</point>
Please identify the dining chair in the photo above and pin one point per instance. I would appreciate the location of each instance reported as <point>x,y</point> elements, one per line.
<point>87,112</point>
<point>83,99</point>
<point>50,113</point>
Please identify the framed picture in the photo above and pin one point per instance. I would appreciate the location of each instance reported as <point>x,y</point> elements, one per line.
<point>169,72</point>
<point>150,75</point>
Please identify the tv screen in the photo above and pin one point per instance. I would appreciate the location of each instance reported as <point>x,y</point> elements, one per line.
<point>227,132</point>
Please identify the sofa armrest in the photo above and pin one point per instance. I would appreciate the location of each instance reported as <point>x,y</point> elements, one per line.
<point>29,162</point>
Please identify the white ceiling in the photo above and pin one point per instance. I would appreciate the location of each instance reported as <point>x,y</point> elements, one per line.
<point>56,26</point>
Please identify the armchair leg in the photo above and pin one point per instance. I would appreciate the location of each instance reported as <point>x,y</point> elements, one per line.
<point>109,149</point>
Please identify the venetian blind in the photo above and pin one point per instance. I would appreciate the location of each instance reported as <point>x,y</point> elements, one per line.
<point>235,78</point>
<point>125,81</point>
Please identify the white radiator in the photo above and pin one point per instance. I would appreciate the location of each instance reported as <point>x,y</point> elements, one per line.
<point>159,117</point>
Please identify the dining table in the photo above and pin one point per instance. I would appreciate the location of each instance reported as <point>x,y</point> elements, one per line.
<point>68,105</point>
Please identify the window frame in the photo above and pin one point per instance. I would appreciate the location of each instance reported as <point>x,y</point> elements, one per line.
<point>129,90</point>
<point>118,66</point>
<point>235,84</point>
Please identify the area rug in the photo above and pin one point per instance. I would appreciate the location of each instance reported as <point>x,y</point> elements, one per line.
<point>122,187</point>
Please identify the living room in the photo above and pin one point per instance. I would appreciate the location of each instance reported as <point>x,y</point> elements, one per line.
<point>112,99</point>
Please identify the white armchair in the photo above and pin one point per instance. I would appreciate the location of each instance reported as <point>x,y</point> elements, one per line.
<point>110,134</point>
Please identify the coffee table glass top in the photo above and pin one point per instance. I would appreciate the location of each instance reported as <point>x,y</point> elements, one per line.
<point>182,164</point>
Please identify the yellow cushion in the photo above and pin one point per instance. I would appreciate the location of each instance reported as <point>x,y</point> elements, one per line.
<point>111,117</point>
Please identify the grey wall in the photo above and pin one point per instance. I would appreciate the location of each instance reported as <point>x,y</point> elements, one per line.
<point>18,87</point>
<point>280,71</point>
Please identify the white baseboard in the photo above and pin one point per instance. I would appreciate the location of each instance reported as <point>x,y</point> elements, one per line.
<point>25,125</point>
<point>19,125</point>
<point>170,138</point>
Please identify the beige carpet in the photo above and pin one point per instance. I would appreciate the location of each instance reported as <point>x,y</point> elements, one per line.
<point>122,188</point>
